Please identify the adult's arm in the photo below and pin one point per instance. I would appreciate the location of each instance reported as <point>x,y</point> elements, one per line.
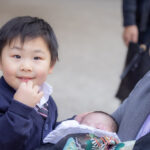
<point>130,33</point>
<point>129,12</point>
<point>118,114</point>
<point>133,112</point>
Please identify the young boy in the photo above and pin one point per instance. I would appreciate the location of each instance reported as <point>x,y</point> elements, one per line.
<point>28,52</point>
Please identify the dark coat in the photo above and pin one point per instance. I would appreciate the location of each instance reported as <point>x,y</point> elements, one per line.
<point>143,143</point>
<point>136,12</point>
<point>21,127</point>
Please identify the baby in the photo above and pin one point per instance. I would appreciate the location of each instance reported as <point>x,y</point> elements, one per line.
<point>96,131</point>
<point>97,125</point>
<point>100,120</point>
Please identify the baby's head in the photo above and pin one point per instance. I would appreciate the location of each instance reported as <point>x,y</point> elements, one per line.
<point>28,50</point>
<point>100,120</point>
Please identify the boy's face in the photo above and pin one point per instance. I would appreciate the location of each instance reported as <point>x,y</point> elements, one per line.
<point>23,62</point>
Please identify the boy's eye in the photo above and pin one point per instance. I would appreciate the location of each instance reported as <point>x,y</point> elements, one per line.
<point>17,56</point>
<point>37,58</point>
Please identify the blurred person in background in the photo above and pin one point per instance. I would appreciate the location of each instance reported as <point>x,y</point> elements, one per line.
<point>136,23</point>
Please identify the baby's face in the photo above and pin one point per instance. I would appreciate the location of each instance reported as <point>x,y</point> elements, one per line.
<point>97,120</point>
<point>24,62</point>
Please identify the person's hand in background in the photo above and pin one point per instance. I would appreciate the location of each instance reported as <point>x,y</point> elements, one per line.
<point>130,34</point>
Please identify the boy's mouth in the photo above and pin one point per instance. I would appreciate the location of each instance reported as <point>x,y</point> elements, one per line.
<point>25,79</point>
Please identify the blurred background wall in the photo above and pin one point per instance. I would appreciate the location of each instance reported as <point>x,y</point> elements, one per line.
<point>91,50</point>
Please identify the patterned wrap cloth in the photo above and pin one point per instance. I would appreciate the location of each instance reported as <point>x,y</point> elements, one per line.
<point>91,142</point>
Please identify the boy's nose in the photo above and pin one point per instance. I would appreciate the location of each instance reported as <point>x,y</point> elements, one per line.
<point>25,67</point>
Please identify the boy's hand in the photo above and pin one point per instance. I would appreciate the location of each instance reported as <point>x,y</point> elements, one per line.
<point>28,94</point>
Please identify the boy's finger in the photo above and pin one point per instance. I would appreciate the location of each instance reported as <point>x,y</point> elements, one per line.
<point>36,88</point>
<point>30,84</point>
<point>22,84</point>
<point>40,94</point>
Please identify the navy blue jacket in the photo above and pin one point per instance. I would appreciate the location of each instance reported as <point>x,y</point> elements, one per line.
<point>21,127</point>
<point>136,12</point>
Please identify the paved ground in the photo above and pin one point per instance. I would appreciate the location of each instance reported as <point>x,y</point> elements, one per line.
<point>90,47</point>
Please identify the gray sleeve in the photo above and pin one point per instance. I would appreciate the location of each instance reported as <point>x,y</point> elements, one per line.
<point>139,95</point>
<point>118,114</point>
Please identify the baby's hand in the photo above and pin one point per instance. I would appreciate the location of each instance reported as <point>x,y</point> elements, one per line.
<point>28,94</point>
<point>80,117</point>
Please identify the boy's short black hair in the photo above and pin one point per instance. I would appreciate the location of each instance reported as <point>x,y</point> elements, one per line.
<point>29,27</point>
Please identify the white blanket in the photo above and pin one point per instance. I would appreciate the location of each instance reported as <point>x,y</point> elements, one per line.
<point>72,127</point>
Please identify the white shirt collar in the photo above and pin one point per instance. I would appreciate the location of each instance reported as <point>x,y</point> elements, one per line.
<point>47,91</point>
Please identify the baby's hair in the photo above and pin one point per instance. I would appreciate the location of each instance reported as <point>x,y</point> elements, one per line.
<point>114,123</point>
<point>27,27</point>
